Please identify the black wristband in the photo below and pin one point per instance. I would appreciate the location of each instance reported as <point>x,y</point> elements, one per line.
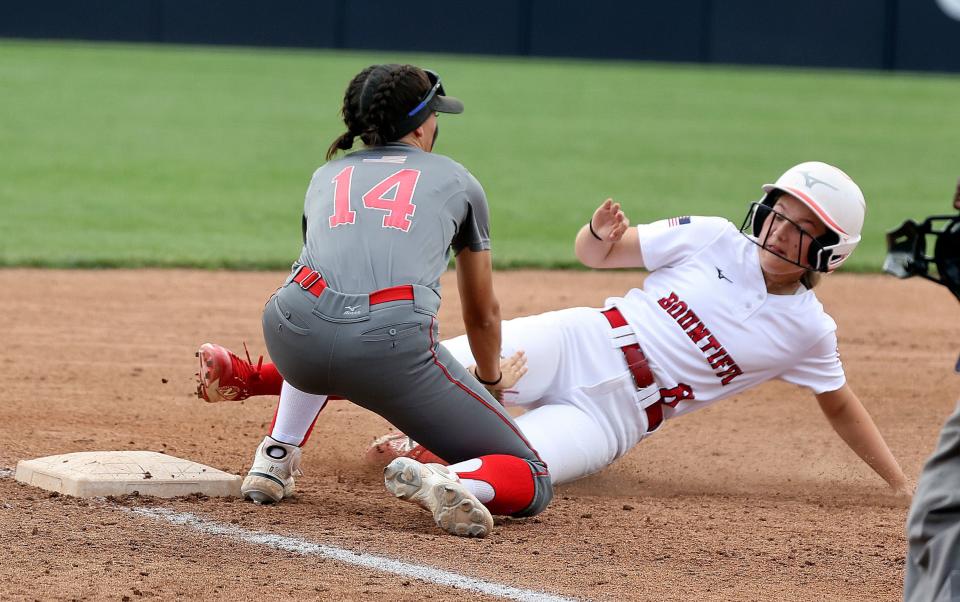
<point>592,231</point>
<point>488,383</point>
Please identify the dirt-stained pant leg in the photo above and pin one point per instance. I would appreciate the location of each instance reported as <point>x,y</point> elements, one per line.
<point>933,527</point>
<point>387,359</point>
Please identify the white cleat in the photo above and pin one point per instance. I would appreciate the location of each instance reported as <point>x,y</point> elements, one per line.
<point>435,488</point>
<point>271,477</point>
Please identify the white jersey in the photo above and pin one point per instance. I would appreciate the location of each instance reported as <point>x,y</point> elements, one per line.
<point>705,320</point>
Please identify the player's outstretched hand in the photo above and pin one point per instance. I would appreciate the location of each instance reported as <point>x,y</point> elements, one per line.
<point>905,489</point>
<point>609,221</point>
<point>512,370</point>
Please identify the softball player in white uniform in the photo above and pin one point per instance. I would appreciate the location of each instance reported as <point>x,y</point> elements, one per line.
<point>719,313</point>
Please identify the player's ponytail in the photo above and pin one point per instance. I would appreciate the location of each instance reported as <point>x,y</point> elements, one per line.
<point>350,112</point>
<point>377,99</point>
<point>343,142</point>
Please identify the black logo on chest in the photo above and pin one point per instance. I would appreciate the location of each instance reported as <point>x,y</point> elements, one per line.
<point>720,276</point>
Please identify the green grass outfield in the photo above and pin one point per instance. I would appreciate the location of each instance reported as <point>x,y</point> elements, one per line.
<point>120,155</point>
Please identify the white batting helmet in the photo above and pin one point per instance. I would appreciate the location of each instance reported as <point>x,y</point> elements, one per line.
<point>833,197</point>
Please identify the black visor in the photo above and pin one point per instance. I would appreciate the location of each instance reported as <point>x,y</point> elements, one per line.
<point>434,101</point>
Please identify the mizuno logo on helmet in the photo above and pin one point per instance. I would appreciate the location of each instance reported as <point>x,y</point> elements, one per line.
<point>809,181</point>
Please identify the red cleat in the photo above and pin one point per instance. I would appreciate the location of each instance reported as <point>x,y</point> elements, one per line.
<point>225,377</point>
<point>395,445</point>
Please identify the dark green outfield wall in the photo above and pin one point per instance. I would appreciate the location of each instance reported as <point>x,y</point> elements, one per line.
<point>864,34</point>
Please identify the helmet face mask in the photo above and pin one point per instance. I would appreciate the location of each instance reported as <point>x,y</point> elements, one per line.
<point>816,254</point>
<point>832,196</point>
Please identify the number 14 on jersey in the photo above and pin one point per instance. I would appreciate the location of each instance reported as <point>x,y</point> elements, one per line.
<point>393,194</point>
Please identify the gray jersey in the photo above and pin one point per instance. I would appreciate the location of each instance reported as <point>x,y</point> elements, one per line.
<point>390,215</point>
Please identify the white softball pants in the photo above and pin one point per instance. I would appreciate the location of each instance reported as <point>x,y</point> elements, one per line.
<point>583,410</point>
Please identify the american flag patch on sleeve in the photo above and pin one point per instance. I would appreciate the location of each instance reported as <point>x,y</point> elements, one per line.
<point>678,221</point>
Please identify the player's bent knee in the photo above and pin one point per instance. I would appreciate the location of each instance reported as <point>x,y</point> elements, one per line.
<point>542,491</point>
<point>507,485</point>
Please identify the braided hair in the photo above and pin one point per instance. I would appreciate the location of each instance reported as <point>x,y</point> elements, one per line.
<point>376,99</point>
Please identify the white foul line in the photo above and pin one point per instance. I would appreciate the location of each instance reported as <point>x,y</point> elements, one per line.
<point>369,561</point>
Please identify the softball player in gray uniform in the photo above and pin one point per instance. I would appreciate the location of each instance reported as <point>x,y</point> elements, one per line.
<point>357,317</point>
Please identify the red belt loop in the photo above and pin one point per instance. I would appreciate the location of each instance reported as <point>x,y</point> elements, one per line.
<point>310,280</point>
<point>313,282</point>
<point>638,366</point>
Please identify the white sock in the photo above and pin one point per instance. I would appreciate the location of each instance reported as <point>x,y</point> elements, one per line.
<point>296,414</point>
<point>483,490</point>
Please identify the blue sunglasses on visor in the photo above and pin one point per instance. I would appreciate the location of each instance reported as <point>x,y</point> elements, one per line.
<point>436,98</point>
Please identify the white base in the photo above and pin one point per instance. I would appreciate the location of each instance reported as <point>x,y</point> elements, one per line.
<point>97,474</point>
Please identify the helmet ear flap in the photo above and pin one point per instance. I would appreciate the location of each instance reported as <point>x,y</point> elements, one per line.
<point>817,255</point>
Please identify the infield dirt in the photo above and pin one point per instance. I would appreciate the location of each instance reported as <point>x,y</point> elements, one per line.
<point>754,498</point>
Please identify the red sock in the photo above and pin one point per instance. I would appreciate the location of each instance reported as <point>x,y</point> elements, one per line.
<point>509,478</point>
<point>269,382</point>
<point>306,437</point>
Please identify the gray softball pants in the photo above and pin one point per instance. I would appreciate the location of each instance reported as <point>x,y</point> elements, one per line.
<point>387,359</point>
